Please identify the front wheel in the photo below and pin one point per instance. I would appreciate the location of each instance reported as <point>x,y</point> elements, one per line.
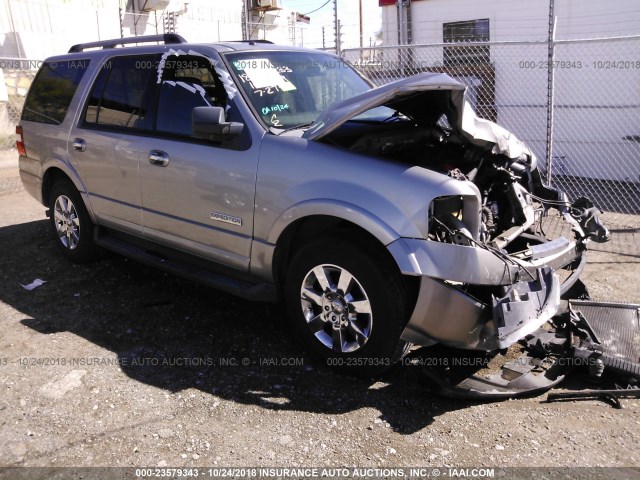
<point>348,309</point>
<point>70,223</point>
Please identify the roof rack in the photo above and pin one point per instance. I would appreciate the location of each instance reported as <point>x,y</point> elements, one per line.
<point>167,39</point>
<point>250,42</point>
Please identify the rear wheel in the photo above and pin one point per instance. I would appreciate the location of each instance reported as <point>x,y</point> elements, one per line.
<point>347,308</point>
<point>70,223</point>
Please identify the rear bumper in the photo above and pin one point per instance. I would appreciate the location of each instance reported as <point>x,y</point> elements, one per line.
<point>30,177</point>
<point>525,294</point>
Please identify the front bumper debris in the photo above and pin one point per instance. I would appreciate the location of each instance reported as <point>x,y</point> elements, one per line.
<point>524,308</point>
<point>470,324</point>
<point>447,312</point>
<point>601,339</point>
<point>530,367</point>
<point>611,397</point>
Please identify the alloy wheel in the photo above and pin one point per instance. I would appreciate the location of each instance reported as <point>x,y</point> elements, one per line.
<point>67,222</point>
<point>337,308</point>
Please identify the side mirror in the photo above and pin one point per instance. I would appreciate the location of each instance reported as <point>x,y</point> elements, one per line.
<point>209,123</point>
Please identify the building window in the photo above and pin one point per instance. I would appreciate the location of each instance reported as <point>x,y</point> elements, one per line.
<point>462,32</point>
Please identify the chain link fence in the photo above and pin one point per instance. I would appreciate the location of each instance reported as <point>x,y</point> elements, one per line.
<point>577,105</point>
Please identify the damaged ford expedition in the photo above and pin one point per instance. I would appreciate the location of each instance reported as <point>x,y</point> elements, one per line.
<point>381,217</point>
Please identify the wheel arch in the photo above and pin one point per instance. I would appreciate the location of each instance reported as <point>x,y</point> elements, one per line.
<point>342,211</point>
<point>303,230</point>
<point>56,173</point>
<point>50,177</point>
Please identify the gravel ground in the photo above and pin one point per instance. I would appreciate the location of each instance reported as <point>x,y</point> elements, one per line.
<point>117,364</point>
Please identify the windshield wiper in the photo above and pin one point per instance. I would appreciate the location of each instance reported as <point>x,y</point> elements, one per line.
<point>296,127</point>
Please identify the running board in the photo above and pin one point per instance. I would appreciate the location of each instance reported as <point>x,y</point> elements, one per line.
<point>257,292</point>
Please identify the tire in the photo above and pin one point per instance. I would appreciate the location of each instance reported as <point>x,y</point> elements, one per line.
<point>70,223</point>
<point>348,309</point>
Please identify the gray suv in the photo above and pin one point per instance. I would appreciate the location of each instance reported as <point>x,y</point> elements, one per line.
<point>381,217</point>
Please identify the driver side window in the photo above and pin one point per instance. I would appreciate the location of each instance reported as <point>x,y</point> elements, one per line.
<point>186,82</point>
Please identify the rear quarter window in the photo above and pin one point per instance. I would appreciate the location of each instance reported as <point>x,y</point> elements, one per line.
<point>52,91</point>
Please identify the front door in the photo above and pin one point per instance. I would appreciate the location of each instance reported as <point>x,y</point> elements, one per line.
<point>197,196</point>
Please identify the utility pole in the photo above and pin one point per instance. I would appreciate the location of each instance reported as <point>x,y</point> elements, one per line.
<point>401,36</point>
<point>361,30</point>
<point>245,19</point>
<point>292,28</point>
<point>400,22</point>
<point>120,13</point>
<point>323,39</point>
<point>550,88</point>
<point>336,26</point>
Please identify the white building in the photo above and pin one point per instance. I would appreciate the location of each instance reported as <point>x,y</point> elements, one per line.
<point>596,83</point>
<point>36,29</point>
<point>513,19</point>
<point>32,30</point>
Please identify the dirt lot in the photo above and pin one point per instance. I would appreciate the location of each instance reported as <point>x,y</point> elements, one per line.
<point>116,364</point>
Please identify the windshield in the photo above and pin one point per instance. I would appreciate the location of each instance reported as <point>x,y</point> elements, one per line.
<point>289,89</point>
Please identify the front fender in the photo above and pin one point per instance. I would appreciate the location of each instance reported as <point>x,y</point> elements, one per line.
<point>333,208</point>
<point>262,252</point>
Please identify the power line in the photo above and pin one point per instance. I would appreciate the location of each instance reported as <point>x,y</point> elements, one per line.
<point>319,8</point>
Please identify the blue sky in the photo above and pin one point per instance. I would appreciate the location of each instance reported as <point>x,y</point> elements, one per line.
<point>348,14</point>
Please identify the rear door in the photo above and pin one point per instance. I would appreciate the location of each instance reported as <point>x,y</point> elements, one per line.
<point>197,196</point>
<point>104,145</point>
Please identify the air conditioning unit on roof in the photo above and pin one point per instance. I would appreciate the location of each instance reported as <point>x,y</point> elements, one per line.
<point>267,3</point>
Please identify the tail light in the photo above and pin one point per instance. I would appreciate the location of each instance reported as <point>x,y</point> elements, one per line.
<point>22,150</point>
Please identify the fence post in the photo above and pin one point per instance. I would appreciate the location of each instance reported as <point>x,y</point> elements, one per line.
<point>336,26</point>
<point>551,53</point>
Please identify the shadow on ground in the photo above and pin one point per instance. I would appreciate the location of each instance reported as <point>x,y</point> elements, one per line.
<point>175,335</point>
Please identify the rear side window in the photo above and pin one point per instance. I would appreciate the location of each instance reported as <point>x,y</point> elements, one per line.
<point>52,91</point>
<point>117,97</point>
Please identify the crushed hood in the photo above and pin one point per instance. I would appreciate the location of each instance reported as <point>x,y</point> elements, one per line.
<point>425,97</point>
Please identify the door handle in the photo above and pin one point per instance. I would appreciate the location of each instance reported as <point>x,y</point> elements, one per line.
<point>158,158</point>
<point>79,144</point>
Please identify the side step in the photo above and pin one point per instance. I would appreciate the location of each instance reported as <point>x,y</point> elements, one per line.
<point>257,292</point>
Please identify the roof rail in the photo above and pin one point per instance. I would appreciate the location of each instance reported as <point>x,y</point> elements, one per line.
<point>250,42</point>
<point>167,39</point>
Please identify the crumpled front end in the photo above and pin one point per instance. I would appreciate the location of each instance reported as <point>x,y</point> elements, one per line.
<point>485,284</point>
<point>488,274</point>
<point>505,303</point>
<point>446,314</point>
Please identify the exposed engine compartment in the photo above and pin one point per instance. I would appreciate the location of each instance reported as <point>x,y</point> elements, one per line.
<point>513,195</point>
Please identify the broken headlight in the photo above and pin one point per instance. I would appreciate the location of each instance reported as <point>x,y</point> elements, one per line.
<point>449,222</point>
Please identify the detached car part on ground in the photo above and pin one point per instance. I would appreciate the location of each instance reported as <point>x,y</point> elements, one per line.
<point>383,217</point>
